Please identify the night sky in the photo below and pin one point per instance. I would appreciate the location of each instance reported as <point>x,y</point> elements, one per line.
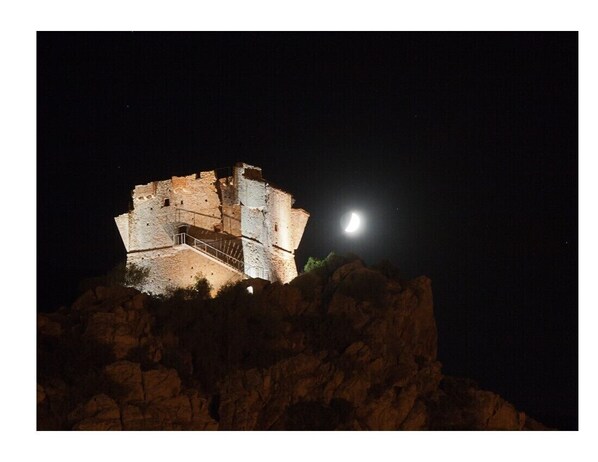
<point>460,149</point>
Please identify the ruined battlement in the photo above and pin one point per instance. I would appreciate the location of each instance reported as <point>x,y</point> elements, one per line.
<point>225,228</point>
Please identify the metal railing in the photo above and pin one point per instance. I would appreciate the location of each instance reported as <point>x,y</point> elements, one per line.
<point>184,238</point>
<point>249,271</point>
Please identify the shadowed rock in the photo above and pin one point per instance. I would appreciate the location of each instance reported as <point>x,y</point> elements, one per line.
<point>342,347</point>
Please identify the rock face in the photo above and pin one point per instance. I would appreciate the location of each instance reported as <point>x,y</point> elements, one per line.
<point>87,384</point>
<point>341,347</point>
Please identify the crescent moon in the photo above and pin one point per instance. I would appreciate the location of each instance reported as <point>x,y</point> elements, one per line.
<point>354,223</point>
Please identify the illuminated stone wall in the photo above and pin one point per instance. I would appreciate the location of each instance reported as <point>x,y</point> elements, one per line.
<point>299,219</point>
<point>177,266</point>
<point>272,228</point>
<point>158,205</point>
<point>243,205</point>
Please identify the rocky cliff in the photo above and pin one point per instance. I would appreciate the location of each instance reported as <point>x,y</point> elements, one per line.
<point>342,347</point>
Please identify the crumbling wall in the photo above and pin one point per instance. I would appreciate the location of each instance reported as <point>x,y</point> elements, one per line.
<point>253,224</point>
<point>243,205</point>
<point>282,265</point>
<point>231,219</point>
<point>158,204</point>
<point>268,218</point>
<point>257,261</point>
<point>231,208</point>
<point>198,195</point>
<point>278,221</point>
<point>299,219</point>
<point>252,193</point>
<point>228,191</point>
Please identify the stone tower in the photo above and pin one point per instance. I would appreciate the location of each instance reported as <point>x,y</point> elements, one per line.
<point>225,228</point>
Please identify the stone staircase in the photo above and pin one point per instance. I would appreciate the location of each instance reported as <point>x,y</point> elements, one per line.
<point>223,247</point>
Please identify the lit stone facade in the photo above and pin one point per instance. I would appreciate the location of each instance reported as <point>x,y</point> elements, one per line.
<point>225,229</point>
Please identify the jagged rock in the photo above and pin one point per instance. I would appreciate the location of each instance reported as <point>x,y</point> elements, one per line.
<point>531,424</point>
<point>41,394</point>
<point>248,399</point>
<point>185,411</point>
<point>101,327</point>
<point>176,410</point>
<point>106,329</point>
<point>349,349</point>
<point>55,389</point>
<point>108,323</point>
<point>389,411</point>
<point>347,306</point>
<point>115,293</point>
<point>87,299</point>
<point>48,327</point>
<point>100,413</point>
<point>124,341</point>
<point>98,425</point>
<point>460,405</point>
<point>342,272</point>
<point>171,414</point>
<point>354,390</point>
<point>153,348</point>
<point>132,418</point>
<point>287,299</point>
<point>137,302</point>
<point>201,419</point>
<point>506,418</point>
<point>413,319</point>
<point>417,418</point>
<point>128,376</point>
<point>162,383</point>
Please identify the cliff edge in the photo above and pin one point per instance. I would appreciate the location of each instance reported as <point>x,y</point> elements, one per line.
<point>342,347</point>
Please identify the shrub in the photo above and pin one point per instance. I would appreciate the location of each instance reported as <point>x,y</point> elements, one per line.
<point>201,289</point>
<point>202,286</point>
<point>230,291</point>
<point>135,275</point>
<point>313,263</point>
<point>120,275</point>
<point>328,265</point>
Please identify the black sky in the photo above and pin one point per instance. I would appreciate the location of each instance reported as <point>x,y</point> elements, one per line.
<point>460,147</point>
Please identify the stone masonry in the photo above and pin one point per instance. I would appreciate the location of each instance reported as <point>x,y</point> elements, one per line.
<point>222,228</point>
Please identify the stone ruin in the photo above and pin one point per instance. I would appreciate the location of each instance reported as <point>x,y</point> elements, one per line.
<point>224,228</point>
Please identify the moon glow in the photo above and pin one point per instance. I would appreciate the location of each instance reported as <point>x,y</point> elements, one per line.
<point>354,223</point>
